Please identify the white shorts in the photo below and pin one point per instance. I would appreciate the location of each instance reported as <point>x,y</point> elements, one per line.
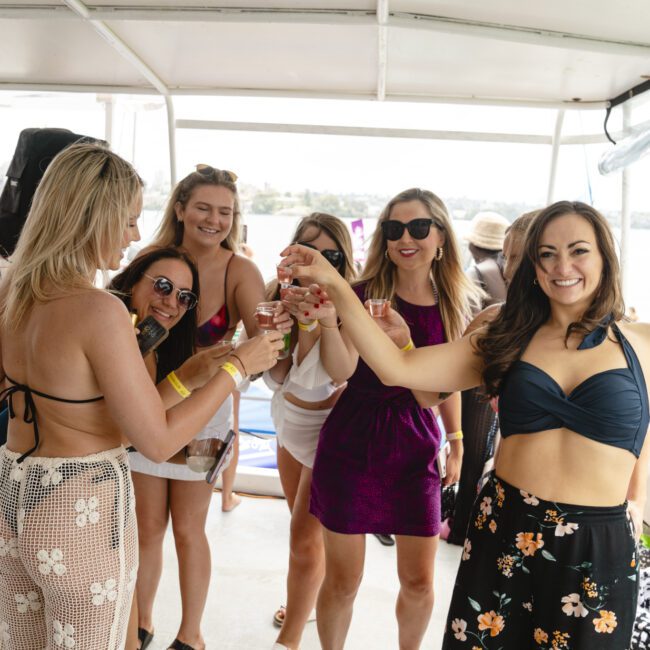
<point>218,427</point>
<point>297,428</point>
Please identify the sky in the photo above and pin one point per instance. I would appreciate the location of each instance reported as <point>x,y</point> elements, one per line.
<point>341,164</point>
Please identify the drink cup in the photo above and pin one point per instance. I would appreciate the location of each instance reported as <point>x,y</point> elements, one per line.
<point>285,274</point>
<point>201,454</point>
<point>264,314</point>
<point>378,307</point>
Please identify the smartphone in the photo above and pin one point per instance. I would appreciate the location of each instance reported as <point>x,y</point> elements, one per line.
<point>244,234</point>
<point>220,459</point>
<point>150,334</point>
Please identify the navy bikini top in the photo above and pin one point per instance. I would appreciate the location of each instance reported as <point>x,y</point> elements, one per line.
<point>29,415</point>
<point>610,407</point>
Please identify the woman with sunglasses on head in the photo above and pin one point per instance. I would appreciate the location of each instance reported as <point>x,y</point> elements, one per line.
<point>66,499</point>
<point>375,469</point>
<point>202,217</point>
<point>307,385</point>
<point>550,558</point>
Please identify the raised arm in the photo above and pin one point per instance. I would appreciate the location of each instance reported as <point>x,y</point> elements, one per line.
<point>448,367</point>
<point>133,399</point>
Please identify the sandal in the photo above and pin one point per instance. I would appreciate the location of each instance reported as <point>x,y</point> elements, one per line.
<point>279,616</point>
<point>386,540</point>
<point>145,637</point>
<point>179,645</point>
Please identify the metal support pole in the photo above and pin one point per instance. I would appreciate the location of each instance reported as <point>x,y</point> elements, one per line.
<point>171,134</point>
<point>557,140</point>
<point>626,208</point>
<point>108,118</point>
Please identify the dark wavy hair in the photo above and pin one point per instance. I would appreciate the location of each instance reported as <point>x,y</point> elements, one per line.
<point>180,344</point>
<point>527,307</point>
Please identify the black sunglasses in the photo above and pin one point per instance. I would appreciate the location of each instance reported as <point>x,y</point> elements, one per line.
<point>418,228</point>
<point>208,170</point>
<point>334,257</point>
<point>164,287</point>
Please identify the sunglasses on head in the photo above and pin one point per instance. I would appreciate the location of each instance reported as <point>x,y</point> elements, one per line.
<point>164,287</point>
<point>334,257</point>
<point>208,170</point>
<point>418,228</point>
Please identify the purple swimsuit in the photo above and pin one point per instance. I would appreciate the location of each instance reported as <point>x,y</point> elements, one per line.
<point>375,469</point>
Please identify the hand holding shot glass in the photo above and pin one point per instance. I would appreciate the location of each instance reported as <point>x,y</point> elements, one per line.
<point>272,316</point>
<point>378,307</point>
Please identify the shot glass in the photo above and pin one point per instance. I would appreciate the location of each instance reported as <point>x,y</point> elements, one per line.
<point>378,307</point>
<point>285,274</point>
<point>264,314</point>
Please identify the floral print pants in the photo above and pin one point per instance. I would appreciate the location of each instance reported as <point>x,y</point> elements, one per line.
<point>68,551</point>
<point>543,576</point>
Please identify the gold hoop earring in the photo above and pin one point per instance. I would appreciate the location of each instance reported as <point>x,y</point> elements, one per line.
<point>439,254</point>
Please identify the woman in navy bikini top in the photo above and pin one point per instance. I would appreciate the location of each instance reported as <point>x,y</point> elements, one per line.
<point>550,556</point>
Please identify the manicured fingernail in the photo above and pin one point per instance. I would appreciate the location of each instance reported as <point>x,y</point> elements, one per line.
<point>306,313</point>
<point>317,305</point>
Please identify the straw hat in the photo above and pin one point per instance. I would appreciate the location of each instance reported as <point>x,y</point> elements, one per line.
<point>488,231</point>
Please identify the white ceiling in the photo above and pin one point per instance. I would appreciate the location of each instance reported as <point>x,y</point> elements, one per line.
<point>553,51</point>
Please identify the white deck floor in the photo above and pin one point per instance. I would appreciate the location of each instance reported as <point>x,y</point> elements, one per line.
<point>249,555</point>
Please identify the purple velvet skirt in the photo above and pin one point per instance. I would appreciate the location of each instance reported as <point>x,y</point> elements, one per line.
<point>375,469</point>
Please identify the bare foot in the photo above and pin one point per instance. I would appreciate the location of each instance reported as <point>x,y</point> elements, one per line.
<point>230,503</point>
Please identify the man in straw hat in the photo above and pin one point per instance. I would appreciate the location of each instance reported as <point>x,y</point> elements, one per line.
<point>485,238</point>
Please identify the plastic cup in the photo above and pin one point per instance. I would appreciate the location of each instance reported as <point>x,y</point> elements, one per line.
<point>201,454</point>
<point>285,274</point>
<point>264,314</point>
<point>378,307</point>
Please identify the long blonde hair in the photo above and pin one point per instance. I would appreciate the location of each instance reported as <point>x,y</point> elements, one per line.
<point>456,294</point>
<point>334,228</point>
<point>77,221</point>
<point>171,230</point>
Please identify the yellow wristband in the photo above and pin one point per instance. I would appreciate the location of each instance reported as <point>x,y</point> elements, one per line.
<point>308,327</point>
<point>409,346</point>
<point>231,369</point>
<point>456,435</point>
<point>178,385</point>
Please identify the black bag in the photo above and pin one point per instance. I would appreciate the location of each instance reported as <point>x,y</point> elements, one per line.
<point>34,152</point>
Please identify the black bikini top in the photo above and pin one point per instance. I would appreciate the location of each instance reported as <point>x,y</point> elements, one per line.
<point>29,415</point>
<point>610,407</point>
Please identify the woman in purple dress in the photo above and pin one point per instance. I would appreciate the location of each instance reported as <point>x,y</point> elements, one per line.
<point>375,469</point>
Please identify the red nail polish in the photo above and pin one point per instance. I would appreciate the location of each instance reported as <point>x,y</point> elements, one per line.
<point>317,305</point>
<point>306,313</point>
